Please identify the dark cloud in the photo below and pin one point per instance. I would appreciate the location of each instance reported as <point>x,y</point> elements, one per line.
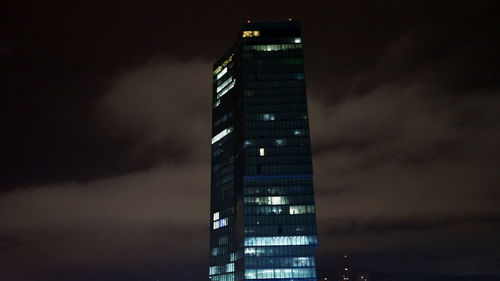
<point>124,221</point>
<point>166,100</point>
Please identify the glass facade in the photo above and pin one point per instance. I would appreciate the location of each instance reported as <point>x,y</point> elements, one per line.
<point>262,219</point>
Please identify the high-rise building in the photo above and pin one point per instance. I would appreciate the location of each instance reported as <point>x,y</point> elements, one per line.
<point>262,220</point>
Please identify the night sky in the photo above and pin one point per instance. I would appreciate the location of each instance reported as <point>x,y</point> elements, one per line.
<point>105,146</point>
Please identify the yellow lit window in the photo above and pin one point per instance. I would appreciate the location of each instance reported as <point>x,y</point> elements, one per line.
<point>251,33</point>
<point>247,33</point>
<point>220,67</point>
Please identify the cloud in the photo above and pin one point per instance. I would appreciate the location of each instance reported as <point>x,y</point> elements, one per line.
<point>407,168</point>
<point>134,219</point>
<point>142,220</point>
<point>164,103</point>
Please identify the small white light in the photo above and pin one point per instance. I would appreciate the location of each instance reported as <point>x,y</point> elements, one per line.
<point>261,151</point>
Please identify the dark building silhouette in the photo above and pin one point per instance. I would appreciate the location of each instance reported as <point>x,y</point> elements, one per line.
<point>262,220</point>
<point>345,270</point>
<point>362,276</point>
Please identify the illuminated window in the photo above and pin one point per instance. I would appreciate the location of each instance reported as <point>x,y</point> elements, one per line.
<point>280,273</point>
<point>279,142</point>
<point>251,33</point>
<point>223,277</point>
<point>223,222</point>
<point>220,223</point>
<point>216,216</point>
<point>268,117</point>
<point>277,200</point>
<point>283,273</point>
<point>215,251</point>
<point>218,269</point>
<point>303,261</point>
<point>297,40</point>
<point>226,62</point>
<point>250,251</point>
<point>225,83</point>
<point>301,209</point>
<point>261,151</point>
<point>265,273</point>
<point>250,274</point>
<point>233,257</point>
<point>247,33</point>
<point>267,200</point>
<point>213,270</point>
<point>273,47</point>
<point>281,240</point>
<point>224,71</point>
<point>222,134</point>
<point>217,103</point>
<point>226,89</point>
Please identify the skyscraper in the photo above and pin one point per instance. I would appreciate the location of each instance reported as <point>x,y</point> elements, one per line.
<point>262,220</point>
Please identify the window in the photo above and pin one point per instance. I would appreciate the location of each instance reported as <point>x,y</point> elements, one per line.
<point>215,251</point>
<point>225,90</point>
<point>281,240</point>
<point>220,120</point>
<point>216,216</point>
<point>280,273</point>
<point>261,151</point>
<point>273,47</point>
<point>301,209</point>
<point>224,71</point>
<point>223,222</point>
<point>268,117</point>
<point>223,240</point>
<point>223,277</point>
<point>226,62</point>
<point>267,200</point>
<point>224,84</point>
<point>222,134</point>
<point>233,257</point>
<point>251,33</point>
<point>220,223</point>
<point>218,269</point>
